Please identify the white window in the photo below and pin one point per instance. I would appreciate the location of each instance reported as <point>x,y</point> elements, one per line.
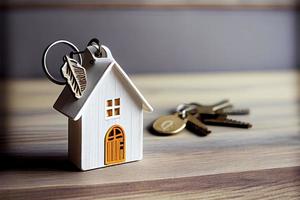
<point>112,108</point>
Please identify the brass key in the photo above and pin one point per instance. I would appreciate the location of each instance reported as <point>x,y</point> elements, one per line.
<point>195,125</point>
<point>169,124</point>
<point>212,109</point>
<point>222,120</point>
<point>196,116</point>
<point>175,123</point>
<point>233,111</point>
<point>216,114</point>
<point>222,107</point>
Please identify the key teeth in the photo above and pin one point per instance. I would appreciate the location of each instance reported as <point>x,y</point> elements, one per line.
<point>242,111</point>
<point>240,122</point>
<point>227,122</point>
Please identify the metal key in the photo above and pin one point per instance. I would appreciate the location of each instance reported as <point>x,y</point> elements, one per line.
<point>195,125</point>
<point>222,107</point>
<point>195,117</point>
<point>212,109</point>
<point>170,124</point>
<point>222,120</point>
<point>234,111</point>
<point>173,124</point>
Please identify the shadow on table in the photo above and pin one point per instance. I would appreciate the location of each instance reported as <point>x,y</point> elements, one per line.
<point>19,160</point>
<point>11,162</point>
<point>4,113</point>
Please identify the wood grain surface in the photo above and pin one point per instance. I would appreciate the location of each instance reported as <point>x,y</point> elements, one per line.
<point>259,163</point>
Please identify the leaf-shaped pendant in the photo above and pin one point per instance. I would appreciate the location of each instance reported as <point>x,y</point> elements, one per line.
<point>75,75</point>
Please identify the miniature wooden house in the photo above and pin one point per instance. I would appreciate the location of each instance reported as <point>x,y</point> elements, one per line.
<point>106,123</point>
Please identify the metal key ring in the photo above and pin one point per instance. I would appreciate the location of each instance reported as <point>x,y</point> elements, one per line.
<point>52,78</point>
<point>184,108</point>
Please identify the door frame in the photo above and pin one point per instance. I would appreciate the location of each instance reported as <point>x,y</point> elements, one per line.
<point>116,156</point>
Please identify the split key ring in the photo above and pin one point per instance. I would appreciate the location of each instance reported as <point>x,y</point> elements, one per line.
<point>44,62</point>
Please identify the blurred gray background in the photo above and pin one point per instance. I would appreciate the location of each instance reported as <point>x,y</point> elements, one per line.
<point>155,40</point>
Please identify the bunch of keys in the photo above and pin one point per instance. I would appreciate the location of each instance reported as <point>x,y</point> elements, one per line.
<point>196,116</point>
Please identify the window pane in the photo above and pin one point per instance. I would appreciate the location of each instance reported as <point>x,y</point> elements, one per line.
<point>111,134</point>
<point>109,103</point>
<point>118,131</point>
<point>117,102</point>
<point>117,111</point>
<point>109,113</point>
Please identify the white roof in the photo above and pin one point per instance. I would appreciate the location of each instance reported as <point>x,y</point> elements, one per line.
<point>68,105</point>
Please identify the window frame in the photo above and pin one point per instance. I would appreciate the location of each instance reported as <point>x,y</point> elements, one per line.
<point>112,107</point>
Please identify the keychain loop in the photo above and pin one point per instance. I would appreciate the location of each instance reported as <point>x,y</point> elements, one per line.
<point>96,44</point>
<point>183,109</point>
<point>52,78</point>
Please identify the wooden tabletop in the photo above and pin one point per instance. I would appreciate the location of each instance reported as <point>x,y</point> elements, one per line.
<point>262,162</point>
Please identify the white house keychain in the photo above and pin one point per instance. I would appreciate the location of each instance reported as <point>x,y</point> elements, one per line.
<point>103,106</point>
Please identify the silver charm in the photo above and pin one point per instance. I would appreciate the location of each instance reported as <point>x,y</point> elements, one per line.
<point>72,70</point>
<point>75,75</point>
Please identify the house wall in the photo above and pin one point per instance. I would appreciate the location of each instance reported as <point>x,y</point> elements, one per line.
<point>74,141</point>
<point>95,126</point>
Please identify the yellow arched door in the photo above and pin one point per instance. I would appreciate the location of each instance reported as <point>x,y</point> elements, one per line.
<point>115,145</point>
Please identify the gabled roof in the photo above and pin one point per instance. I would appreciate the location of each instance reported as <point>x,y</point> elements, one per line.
<point>68,105</point>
